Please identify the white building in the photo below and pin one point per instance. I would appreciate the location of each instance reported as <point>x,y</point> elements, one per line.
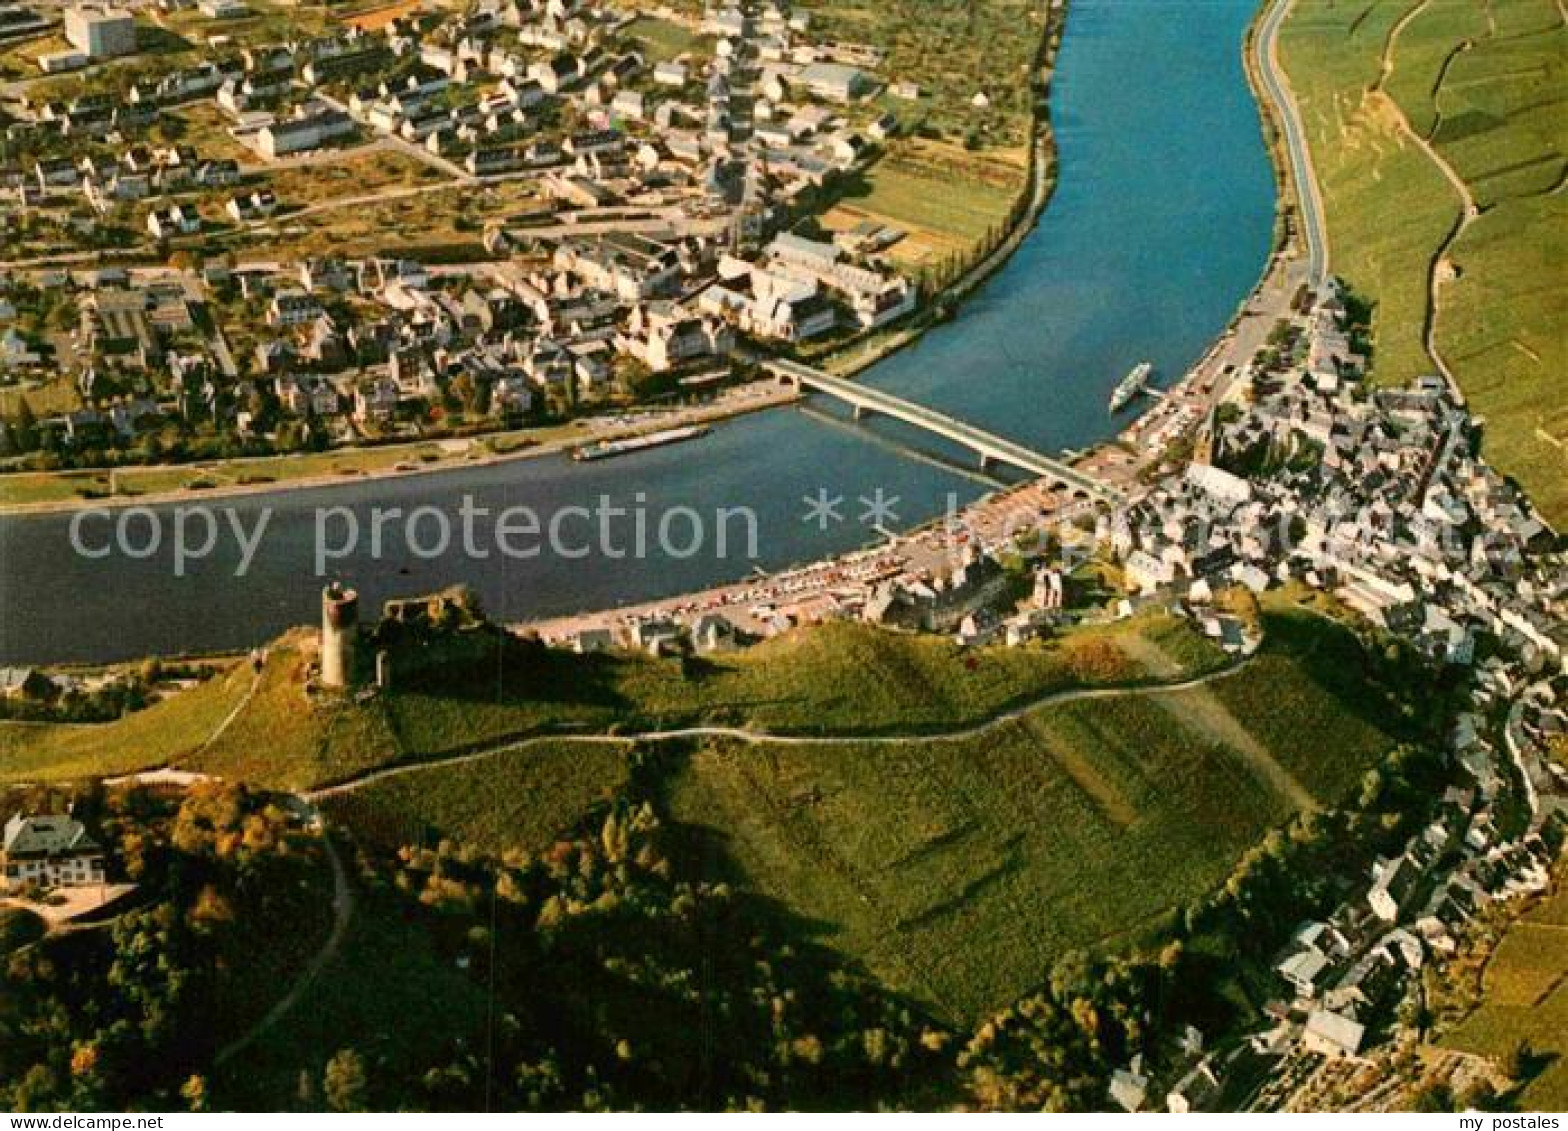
<point>54,851</point>
<point>100,33</point>
<point>301,133</point>
<point>1332,1035</point>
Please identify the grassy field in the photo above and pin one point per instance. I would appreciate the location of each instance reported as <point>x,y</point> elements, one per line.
<point>444,218</point>
<point>278,738</point>
<point>836,679</point>
<point>1525,997</point>
<point>522,799</point>
<point>911,188</point>
<point>1483,84</point>
<point>846,678</point>
<point>153,737</point>
<point>207,128</point>
<point>958,870</point>
<point>355,175</point>
<point>661,40</point>
<point>266,22</point>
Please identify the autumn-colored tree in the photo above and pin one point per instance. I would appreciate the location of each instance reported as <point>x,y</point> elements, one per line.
<point>344,1082</point>
<point>194,1093</point>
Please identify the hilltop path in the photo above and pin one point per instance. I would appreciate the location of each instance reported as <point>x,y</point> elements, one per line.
<point>760,738</point>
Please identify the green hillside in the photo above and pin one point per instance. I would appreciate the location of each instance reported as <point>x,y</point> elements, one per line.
<point>283,739</point>
<point>958,869</point>
<point>1483,86</point>
<point>518,799</point>
<point>839,678</point>
<point>163,732</point>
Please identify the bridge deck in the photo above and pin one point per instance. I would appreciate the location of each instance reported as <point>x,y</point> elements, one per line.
<point>987,444</point>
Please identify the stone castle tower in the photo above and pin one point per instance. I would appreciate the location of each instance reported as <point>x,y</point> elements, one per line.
<point>339,631</point>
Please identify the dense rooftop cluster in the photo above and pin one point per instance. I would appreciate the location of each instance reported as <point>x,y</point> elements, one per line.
<point>1381,497</point>
<point>661,244</point>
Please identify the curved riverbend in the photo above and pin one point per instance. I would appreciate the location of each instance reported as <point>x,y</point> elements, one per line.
<point>1159,226</point>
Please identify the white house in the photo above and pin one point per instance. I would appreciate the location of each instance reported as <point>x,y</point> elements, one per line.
<point>1332,1034</point>
<point>54,851</point>
<point>177,219</point>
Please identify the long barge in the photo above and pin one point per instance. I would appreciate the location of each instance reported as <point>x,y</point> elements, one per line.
<point>605,449</point>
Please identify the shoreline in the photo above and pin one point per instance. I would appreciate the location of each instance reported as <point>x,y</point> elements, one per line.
<point>1039,184</point>
<point>763,395</point>
<point>1288,265</point>
<point>1185,402</point>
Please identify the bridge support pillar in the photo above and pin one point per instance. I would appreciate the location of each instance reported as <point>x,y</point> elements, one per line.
<point>985,462</point>
<point>859,412</point>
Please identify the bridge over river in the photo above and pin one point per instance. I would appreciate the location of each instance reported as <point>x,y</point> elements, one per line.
<point>990,447</point>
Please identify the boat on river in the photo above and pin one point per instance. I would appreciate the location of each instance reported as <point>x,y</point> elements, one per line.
<point>605,449</point>
<point>1131,385</point>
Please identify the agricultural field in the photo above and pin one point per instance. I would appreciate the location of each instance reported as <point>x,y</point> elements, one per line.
<point>957,870</point>
<point>1525,998</point>
<point>847,679</point>
<point>511,800</point>
<point>911,188</point>
<point>1483,86</point>
<point>835,679</point>
<point>1311,668</point>
<point>151,737</point>
<point>956,52</point>
<point>950,183</point>
<point>954,867</point>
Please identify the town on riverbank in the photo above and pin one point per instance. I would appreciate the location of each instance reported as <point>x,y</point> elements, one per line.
<point>1211,769</point>
<point>639,204</point>
<point>1311,496</point>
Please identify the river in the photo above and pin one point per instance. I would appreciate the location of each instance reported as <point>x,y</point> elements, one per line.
<point>1160,225</point>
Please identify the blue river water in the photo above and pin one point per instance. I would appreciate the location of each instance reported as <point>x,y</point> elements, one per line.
<point>1159,226</point>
